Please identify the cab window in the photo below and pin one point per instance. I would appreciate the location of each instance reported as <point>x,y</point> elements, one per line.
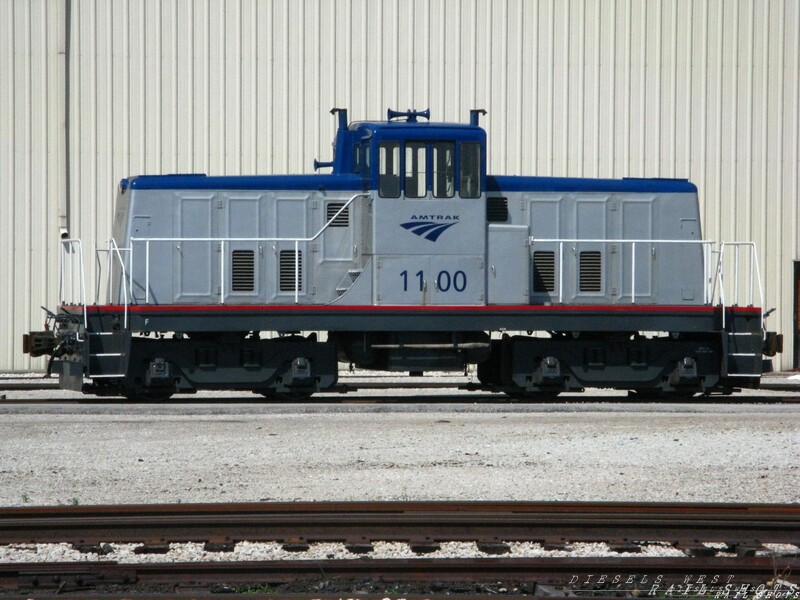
<point>389,169</point>
<point>365,158</point>
<point>444,185</point>
<point>428,168</point>
<point>416,175</point>
<point>470,170</point>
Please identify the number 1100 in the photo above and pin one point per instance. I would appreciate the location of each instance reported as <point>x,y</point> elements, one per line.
<point>444,281</point>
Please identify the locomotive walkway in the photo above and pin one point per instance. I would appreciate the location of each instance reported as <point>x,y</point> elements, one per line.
<point>740,530</point>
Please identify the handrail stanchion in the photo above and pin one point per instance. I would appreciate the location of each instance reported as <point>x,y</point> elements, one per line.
<point>125,292</point>
<point>67,275</point>
<point>70,292</point>
<point>65,285</point>
<point>721,278</point>
<point>83,288</point>
<point>716,280</point>
<point>758,277</point>
<point>146,270</point>
<point>110,267</point>
<point>705,274</point>
<point>561,272</point>
<point>72,287</point>
<point>752,270</point>
<point>61,273</point>
<point>736,275</point>
<point>703,252</point>
<point>130,271</point>
<point>712,282</point>
<point>633,272</point>
<point>296,272</point>
<point>222,272</point>
<point>96,254</point>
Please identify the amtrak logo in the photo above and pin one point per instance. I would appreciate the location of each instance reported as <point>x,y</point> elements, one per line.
<point>430,226</point>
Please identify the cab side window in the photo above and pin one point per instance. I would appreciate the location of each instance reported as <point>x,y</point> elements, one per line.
<point>470,170</point>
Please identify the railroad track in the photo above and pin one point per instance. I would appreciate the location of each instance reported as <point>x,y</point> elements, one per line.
<point>415,522</point>
<point>738,529</point>
<point>438,396</point>
<point>458,390</point>
<point>428,578</point>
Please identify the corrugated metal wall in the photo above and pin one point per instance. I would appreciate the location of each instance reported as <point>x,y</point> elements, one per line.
<point>32,167</point>
<point>707,90</point>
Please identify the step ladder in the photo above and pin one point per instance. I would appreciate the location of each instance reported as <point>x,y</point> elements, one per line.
<point>742,354</point>
<point>107,354</point>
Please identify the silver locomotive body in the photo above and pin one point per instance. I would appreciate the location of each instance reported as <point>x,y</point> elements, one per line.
<point>409,257</point>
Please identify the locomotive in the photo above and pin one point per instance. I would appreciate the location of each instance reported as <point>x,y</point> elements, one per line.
<point>407,256</point>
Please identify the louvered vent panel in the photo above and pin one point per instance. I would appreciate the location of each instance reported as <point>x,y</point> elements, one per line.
<point>544,271</point>
<point>591,274</point>
<point>343,220</point>
<point>497,210</point>
<point>287,270</point>
<point>243,270</point>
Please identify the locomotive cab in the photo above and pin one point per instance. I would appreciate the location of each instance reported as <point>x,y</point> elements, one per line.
<point>426,242</point>
<point>428,211</point>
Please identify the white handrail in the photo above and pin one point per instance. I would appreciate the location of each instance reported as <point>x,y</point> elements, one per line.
<point>713,284</point>
<point>226,240</point>
<point>73,246</point>
<point>561,241</point>
<point>754,277</point>
<point>115,250</point>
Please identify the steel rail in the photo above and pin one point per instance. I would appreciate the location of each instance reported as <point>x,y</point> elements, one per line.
<point>344,393</point>
<point>643,574</point>
<point>369,382</point>
<point>413,522</point>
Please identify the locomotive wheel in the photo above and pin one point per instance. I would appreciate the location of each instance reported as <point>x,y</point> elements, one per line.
<point>489,370</point>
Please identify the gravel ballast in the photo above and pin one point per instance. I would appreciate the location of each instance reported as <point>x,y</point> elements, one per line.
<point>227,448</point>
<point>112,453</point>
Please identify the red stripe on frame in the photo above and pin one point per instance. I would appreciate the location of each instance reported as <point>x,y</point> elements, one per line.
<point>327,308</point>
